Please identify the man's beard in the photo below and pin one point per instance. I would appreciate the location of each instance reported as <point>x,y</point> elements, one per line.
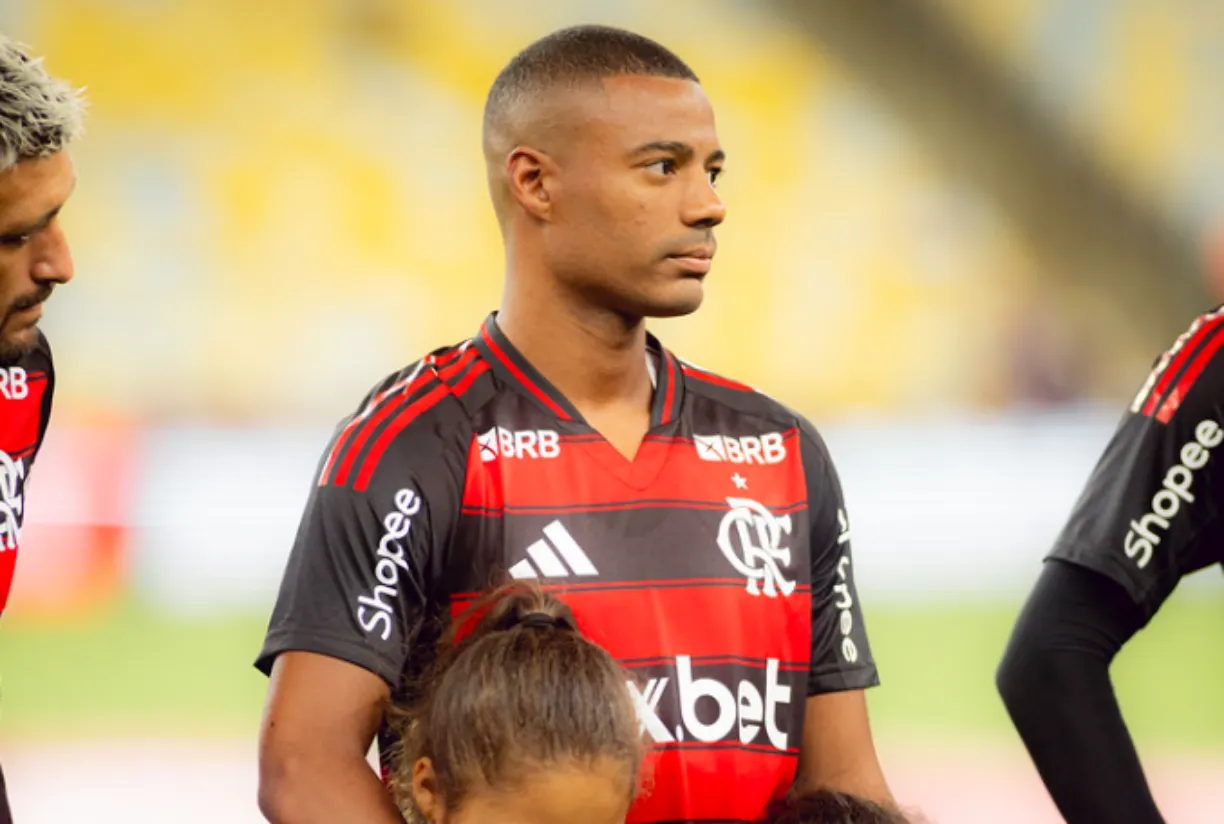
<point>12,351</point>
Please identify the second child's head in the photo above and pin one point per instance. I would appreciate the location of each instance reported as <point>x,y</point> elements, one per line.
<point>521,720</point>
<point>831,807</point>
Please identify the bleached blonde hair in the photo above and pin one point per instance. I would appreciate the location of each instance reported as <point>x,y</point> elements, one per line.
<point>39,114</point>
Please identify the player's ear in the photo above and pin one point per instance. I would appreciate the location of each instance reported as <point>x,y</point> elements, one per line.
<point>530,175</point>
<point>425,791</point>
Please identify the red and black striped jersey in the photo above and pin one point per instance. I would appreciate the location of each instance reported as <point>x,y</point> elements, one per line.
<point>715,565</point>
<point>1149,513</point>
<point>26,388</point>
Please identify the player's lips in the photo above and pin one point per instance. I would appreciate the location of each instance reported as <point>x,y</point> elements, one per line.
<point>696,259</point>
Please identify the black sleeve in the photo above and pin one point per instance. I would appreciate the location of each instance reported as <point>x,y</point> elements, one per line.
<point>841,654</point>
<point>357,585</point>
<point>1054,680</point>
<point>1148,515</point>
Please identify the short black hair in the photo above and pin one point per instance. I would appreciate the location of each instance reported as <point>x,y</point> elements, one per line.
<point>575,54</point>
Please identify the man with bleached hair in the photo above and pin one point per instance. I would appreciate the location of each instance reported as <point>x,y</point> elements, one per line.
<point>39,116</point>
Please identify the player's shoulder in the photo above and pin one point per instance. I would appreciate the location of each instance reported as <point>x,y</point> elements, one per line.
<point>1187,380</point>
<point>725,397</point>
<point>419,416</point>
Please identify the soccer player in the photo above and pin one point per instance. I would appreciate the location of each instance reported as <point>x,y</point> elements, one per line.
<point>1147,517</point>
<point>39,117</point>
<point>522,721</point>
<point>695,527</point>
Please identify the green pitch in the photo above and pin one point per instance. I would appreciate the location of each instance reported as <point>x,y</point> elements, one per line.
<point>130,671</point>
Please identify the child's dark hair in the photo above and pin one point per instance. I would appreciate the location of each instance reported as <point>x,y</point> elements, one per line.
<point>831,807</point>
<point>516,687</point>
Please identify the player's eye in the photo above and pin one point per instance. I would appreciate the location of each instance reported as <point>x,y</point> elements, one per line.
<point>666,166</point>
<point>715,174</point>
<point>14,241</point>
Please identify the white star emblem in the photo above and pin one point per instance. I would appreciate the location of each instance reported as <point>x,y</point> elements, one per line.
<point>740,481</point>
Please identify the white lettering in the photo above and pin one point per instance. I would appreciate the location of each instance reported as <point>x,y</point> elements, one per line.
<point>737,710</point>
<point>748,449</point>
<point>1176,488</point>
<point>392,558</point>
<point>14,383</point>
<point>12,473</point>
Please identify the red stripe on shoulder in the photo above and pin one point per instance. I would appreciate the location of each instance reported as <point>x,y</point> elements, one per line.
<point>1174,399</point>
<point>709,377</point>
<point>1172,361</point>
<point>410,413</point>
<point>353,436</point>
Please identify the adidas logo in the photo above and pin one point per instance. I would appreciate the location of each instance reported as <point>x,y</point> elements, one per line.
<point>556,555</point>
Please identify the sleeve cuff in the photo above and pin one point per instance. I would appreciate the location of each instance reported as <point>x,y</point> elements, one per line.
<point>335,647</point>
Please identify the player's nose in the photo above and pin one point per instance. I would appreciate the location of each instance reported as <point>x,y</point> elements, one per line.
<point>53,256</point>
<point>704,208</point>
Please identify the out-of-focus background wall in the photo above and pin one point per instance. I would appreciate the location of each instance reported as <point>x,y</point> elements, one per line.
<point>959,232</point>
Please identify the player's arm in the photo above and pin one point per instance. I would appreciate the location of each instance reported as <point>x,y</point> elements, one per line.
<point>1147,517</point>
<point>321,716</point>
<point>837,750</point>
<point>1054,681</point>
<point>351,608</point>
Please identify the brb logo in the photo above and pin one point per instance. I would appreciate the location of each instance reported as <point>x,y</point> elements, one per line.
<point>751,538</point>
<point>1175,490</point>
<point>12,476</point>
<point>377,609</point>
<point>744,709</point>
<point>528,443</point>
<point>14,385</point>
<point>767,449</point>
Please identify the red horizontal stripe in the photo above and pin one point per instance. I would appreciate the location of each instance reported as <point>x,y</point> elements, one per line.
<point>627,622</point>
<point>559,588</point>
<point>717,784</point>
<point>1174,399</point>
<point>447,357</point>
<point>577,477</point>
<point>410,413</point>
<point>619,506</point>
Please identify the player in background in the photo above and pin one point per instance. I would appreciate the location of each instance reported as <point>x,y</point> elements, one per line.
<point>522,720</point>
<point>39,117</point>
<point>1148,517</point>
<point>695,527</point>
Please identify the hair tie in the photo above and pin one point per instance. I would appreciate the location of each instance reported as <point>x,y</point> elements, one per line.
<point>541,620</point>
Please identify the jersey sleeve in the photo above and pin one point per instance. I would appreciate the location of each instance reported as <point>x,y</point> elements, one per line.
<point>1148,515</point>
<point>357,585</point>
<point>841,654</point>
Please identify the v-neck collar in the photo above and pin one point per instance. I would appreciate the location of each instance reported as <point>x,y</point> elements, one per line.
<point>511,366</point>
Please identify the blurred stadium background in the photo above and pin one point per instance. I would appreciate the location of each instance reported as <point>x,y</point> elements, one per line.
<point>959,233</point>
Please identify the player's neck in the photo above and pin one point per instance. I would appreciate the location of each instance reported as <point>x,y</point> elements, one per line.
<point>595,358</point>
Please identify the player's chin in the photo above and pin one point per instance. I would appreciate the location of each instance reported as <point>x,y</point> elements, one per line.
<point>674,298</point>
<point>17,343</point>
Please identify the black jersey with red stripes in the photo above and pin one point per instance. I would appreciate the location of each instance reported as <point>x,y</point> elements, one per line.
<point>1149,513</point>
<point>26,388</point>
<point>715,566</point>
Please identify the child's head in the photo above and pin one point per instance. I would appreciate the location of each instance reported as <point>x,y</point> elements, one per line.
<point>521,720</point>
<point>830,807</point>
